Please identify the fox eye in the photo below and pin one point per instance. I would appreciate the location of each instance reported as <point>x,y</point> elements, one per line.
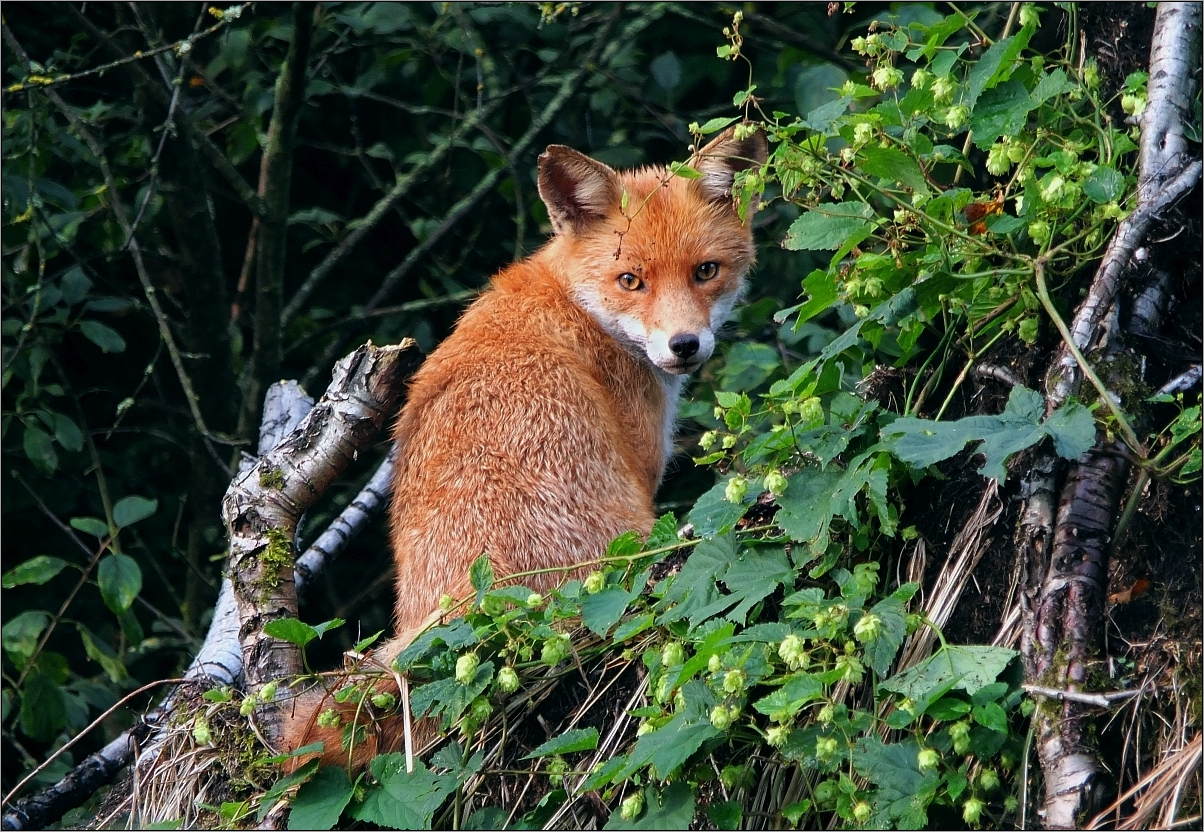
<point>706,271</point>
<point>630,282</point>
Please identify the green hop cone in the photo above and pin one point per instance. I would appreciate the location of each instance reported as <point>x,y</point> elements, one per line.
<point>811,411</point>
<point>735,490</point>
<point>777,735</point>
<point>673,654</point>
<point>632,806</point>
<point>733,681</point>
<point>200,730</point>
<point>594,583</point>
<point>480,709</point>
<point>775,483</point>
<point>554,650</point>
<point>714,664</point>
<point>329,718</point>
<point>825,747</point>
<point>927,759</point>
<point>793,651</point>
<point>507,680</point>
<point>557,767</point>
<point>446,602</point>
<point>867,628</point>
<point>972,810</point>
<point>721,717</point>
<point>492,606</point>
<point>862,811</point>
<point>384,701</point>
<point>988,780</point>
<point>534,601</point>
<point>466,668</point>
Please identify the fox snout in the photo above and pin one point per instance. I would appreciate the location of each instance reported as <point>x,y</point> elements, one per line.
<point>680,352</point>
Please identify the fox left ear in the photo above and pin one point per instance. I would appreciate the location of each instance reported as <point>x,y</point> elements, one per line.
<point>719,161</point>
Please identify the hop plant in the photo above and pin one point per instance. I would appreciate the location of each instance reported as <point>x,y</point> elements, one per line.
<point>862,811</point>
<point>972,810</point>
<point>466,668</point>
<point>507,680</point>
<point>384,701</point>
<point>673,654</point>
<point>632,806</point>
<point>733,681</point>
<point>793,651</point>
<point>927,759</point>
<point>721,717</point>
<point>736,489</point>
<point>867,628</point>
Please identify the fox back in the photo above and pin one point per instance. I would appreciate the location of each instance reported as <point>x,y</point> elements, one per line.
<point>539,430</point>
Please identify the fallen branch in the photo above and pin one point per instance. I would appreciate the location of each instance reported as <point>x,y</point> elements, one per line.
<point>264,504</point>
<point>1100,700</point>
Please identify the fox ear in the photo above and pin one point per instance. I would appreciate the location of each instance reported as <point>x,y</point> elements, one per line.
<point>576,189</point>
<point>719,161</point>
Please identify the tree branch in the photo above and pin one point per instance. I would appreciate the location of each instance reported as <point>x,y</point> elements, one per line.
<point>263,504</point>
<point>272,242</point>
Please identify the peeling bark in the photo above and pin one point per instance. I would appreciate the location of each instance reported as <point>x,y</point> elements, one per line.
<point>264,504</point>
<point>1066,552</point>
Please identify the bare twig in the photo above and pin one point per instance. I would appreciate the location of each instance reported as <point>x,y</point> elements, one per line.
<point>1100,700</point>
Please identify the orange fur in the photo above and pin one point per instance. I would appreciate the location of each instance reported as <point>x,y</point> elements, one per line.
<point>538,431</point>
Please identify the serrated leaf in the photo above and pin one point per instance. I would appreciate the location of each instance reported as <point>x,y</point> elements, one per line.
<point>290,630</point>
<point>628,543</point>
<point>671,809</point>
<point>880,652</point>
<point>481,576</point>
<point>669,746</point>
<point>37,570</point>
<point>43,707</point>
<point>693,588</point>
<point>969,668</point>
<point>727,815</point>
<point>102,336</point>
<point>799,689</point>
<point>321,800</point>
<point>664,532</point>
<point>903,789</point>
<point>1072,428</point>
<point>806,506</point>
<point>714,125</point>
<point>991,716</point>
<point>821,118</point>
<point>129,510</point>
<point>828,226</point>
<point>713,515</point>
<point>579,739</point>
<point>602,610</point>
<point>448,698</point>
<point>120,580</point>
<point>403,800</point>
<point>894,165</point>
<point>749,579</point>
<point>1105,184</point>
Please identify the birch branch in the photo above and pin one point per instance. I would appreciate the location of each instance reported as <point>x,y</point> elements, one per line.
<point>263,504</point>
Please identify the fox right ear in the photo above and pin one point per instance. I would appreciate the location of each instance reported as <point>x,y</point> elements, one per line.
<point>576,189</point>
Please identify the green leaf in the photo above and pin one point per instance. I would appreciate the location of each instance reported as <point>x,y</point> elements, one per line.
<point>20,635</point>
<point>1051,84</point>
<point>799,689</point>
<point>749,579</point>
<point>120,581</point>
<point>969,668</point>
<point>671,809</point>
<point>821,118</point>
<point>904,791</point>
<point>666,70</point>
<point>602,610</point>
<point>43,707</point>
<point>67,433</point>
<point>693,588</point>
<point>991,716</point>
<point>828,226</point>
<point>90,525</point>
<point>99,651</point>
<point>449,698</point>
<point>664,532</point>
<point>480,575</point>
<point>403,800</point>
<point>290,630</point>
<point>326,626</point>
<point>669,746</point>
<point>129,510</point>
<point>713,515</point>
<point>806,507</point>
<point>725,815</point>
<point>1002,111</point>
<point>894,165</point>
<point>40,450</point>
<point>880,652</point>
<point>579,739</point>
<point>996,64</point>
<point>102,336</point>
<point>1105,184</point>
<point>487,818</point>
<point>716,124</point>
<point>36,570</point>
<point>921,442</point>
<point>321,801</point>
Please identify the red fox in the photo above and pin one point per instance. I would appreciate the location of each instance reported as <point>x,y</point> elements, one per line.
<point>539,430</point>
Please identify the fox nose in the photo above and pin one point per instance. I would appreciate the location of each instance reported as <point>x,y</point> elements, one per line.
<point>684,344</point>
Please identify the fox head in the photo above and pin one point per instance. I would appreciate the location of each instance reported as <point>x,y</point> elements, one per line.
<point>658,260</point>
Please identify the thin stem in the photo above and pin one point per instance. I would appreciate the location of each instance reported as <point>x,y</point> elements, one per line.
<point>1106,397</point>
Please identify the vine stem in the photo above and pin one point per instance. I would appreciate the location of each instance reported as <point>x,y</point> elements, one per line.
<point>1106,397</point>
